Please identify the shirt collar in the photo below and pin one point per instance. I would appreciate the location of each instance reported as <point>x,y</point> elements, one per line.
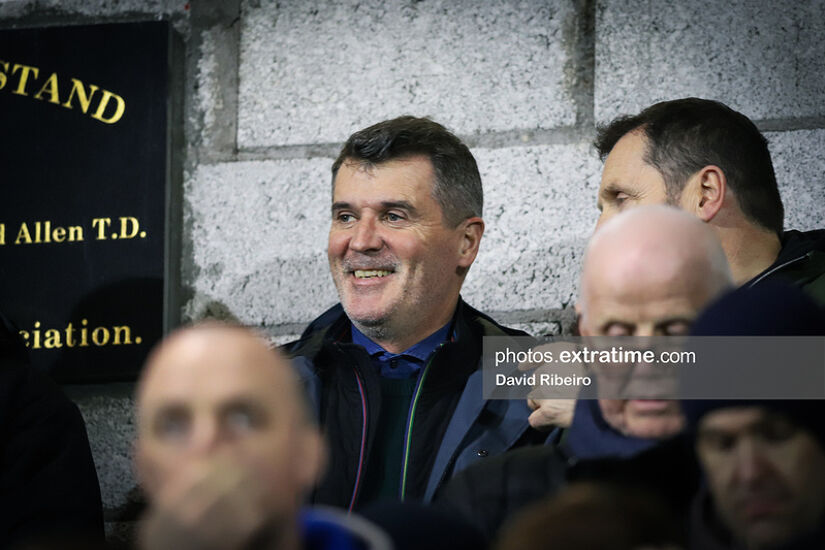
<point>420,351</point>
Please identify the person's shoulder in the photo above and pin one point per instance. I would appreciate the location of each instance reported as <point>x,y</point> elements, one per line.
<point>315,333</point>
<point>796,243</point>
<point>488,325</point>
<point>802,262</point>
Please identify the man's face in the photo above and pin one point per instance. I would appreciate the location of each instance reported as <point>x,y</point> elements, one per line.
<point>627,180</point>
<point>394,261</point>
<point>220,394</point>
<point>643,302</point>
<point>766,475</point>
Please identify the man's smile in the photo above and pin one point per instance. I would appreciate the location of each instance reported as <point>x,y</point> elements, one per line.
<point>371,273</point>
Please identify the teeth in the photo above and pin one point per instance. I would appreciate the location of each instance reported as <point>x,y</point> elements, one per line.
<point>368,273</point>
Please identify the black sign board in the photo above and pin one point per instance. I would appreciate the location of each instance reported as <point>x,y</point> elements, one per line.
<point>84,126</point>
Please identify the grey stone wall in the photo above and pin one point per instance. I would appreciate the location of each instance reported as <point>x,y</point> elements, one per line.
<point>271,89</point>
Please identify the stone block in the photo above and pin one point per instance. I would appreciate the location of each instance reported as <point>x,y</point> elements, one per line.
<point>540,209</point>
<point>761,58</point>
<point>258,232</point>
<point>800,171</point>
<point>314,72</point>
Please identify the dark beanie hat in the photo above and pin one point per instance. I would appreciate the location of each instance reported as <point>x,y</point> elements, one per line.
<point>766,309</point>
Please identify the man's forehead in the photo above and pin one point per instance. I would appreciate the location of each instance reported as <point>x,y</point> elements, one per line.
<point>396,173</point>
<point>734,418</point>
<point>211,364</point>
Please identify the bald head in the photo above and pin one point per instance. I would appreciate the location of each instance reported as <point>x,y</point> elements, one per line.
<point>216,354</point>
<point>649,271</point>
<point>214,389</point>
<point>650,252</point>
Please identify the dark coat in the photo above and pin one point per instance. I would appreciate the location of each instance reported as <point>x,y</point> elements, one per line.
<point>48,483</point>
<point>801,261</point>
<point>452,427</point>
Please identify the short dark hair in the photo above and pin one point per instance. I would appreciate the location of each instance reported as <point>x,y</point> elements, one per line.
<point>685,135</point>
<point>457,183</point>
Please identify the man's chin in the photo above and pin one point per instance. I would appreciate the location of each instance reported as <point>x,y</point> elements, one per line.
<point>367,318</point>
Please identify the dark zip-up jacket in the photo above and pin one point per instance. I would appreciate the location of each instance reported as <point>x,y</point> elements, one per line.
<point>449,424</point>
<point>801,261</point>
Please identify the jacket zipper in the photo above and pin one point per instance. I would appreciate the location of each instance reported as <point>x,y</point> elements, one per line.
<point>405,459</point>
<point>777,268</point>
<point>357,486</point>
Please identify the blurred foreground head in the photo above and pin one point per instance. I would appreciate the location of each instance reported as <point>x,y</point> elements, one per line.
<point>222,428</point>
<point>649,272</point>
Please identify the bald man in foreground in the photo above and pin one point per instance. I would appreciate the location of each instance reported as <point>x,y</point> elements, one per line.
<point>647,272</point>
<point>226,451</point>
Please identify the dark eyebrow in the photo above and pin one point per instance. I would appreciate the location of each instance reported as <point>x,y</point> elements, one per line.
<point>386,205</point>
<point>711,433</point>
<point>240,403</point>
<point>401,205</point>
<point>174,407</point>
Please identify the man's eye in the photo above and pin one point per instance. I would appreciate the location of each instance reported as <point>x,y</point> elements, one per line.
<point>345,218</point>
<point>241,421</point>
<point>617,329</point>
<point>393,217</point>
<point>676,328</point>
<point>719,443</point>
<point>777,430</point>
<point>620,198</point>
<point>172,426</point>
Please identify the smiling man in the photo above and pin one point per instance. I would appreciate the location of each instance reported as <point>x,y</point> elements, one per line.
<point>394,369</point>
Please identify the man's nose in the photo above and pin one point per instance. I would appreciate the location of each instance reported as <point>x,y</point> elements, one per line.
<point>366,235</point>
<point>206,436</point>
<point>751,462</point>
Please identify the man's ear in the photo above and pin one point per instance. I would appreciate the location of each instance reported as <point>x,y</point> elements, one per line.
<point>582,329</point>
<point>704,193</point>
<point>471,231</point>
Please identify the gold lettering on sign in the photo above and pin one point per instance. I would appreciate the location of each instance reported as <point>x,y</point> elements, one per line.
<point>24,77</point>
<point>56,338</point>
<point>48,232</point>
<point>44,233</point>
<point>101,108</point>
<point>3,78</point>
<point>49,87</point>
<point>110,107</point>
<point>82,98</point>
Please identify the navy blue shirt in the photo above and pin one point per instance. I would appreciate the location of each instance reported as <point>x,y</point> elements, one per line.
<point>406,364</point>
